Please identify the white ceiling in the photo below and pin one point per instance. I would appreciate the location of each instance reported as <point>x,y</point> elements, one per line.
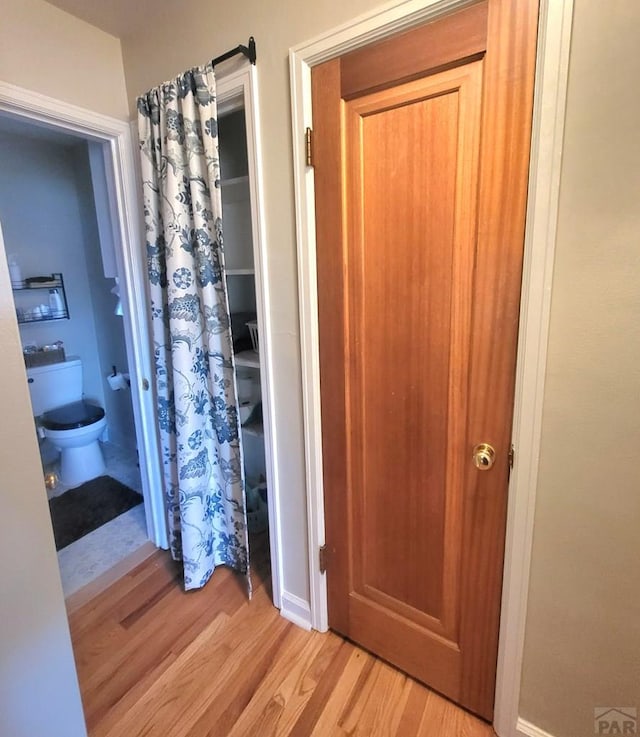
<point>117,17</point>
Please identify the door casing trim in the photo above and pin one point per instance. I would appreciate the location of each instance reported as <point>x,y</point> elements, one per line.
<point>554,36</point>
<point>115,137</point>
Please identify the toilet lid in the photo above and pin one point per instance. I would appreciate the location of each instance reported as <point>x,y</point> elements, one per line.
<point>72,416</point>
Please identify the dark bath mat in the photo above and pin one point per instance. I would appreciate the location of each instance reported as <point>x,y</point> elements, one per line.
<point>85,508</point>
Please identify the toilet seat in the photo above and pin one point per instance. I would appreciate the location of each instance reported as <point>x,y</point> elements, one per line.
<point>72,416</point>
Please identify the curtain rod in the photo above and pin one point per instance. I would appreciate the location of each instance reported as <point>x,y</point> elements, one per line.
<point>249,51</point>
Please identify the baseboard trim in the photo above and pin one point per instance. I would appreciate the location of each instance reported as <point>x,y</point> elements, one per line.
<point>526,729</point>
<point>296,610</point>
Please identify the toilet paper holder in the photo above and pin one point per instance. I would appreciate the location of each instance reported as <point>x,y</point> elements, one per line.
<point>117,380</point>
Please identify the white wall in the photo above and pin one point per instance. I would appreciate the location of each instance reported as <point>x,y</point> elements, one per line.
<point>42,216</point>
<point>39,692</point>
<point>583,635</point>
<point>49,51</point>
<point>109,327</point>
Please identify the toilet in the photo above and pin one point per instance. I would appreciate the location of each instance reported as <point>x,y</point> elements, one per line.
<point>71,424</point>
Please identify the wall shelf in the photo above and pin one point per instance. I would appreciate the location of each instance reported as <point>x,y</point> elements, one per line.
<point>37,308</point>
<point>48,318</point>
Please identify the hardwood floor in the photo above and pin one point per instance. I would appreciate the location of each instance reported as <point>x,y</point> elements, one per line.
<point>156,661</point>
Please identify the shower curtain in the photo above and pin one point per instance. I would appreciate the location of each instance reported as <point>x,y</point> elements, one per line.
<point>194,376</point>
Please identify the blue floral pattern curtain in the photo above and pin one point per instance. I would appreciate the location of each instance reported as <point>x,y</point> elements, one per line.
<point>195,381</point>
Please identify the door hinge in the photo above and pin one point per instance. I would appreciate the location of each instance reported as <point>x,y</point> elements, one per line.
<point>308,144</point>
<point>512,456</point>
<point>322,558</point>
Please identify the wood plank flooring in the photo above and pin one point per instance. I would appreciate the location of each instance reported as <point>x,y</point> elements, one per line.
<point>155,661</point>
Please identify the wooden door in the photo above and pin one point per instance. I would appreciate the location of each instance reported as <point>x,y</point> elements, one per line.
<point>421,150</point>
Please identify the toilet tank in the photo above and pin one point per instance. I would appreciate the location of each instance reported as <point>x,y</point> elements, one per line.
<point>55,385</point>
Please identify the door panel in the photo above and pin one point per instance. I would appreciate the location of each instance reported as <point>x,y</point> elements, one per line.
<point>420,180</point>
<point>412,156</point>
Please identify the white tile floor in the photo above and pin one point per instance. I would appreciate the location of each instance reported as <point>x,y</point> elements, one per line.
<point>92,555</point>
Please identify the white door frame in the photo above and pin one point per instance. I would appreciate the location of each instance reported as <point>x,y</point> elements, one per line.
<point>237,87</point>
<point>548,125</point>
<point>115,136</point>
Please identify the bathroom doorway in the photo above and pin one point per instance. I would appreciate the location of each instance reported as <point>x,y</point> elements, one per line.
<point>70,318</point>
<point>67,213</point>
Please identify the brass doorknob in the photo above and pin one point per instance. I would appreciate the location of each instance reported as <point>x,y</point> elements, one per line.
<point>484,456</point>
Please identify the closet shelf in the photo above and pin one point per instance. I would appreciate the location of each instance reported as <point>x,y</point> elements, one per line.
<point>250,359</point>
<point>235,191</point>
<point>234,180</point>
<point>240,272</point>
<point>253,428</point>
<point>54,283</point>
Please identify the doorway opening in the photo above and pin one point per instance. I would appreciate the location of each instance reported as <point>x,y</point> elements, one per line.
<point>112,140</point>
<point>550,97</point>
<point>241,286</point>
<point>61,246</point>
<point>247,284</point>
